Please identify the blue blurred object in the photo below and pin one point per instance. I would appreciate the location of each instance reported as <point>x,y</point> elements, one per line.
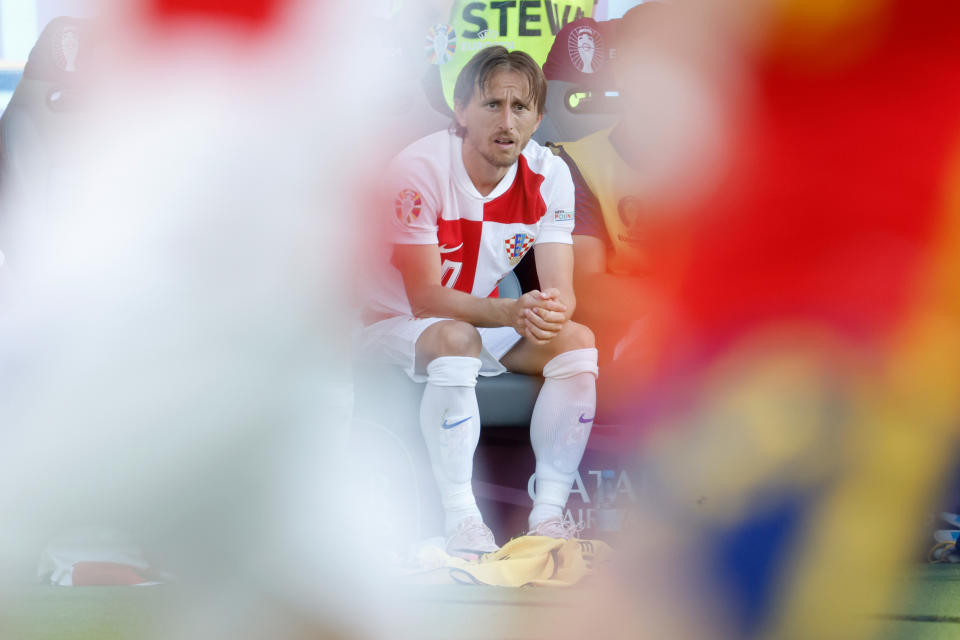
<point>9,78</point>
<point>752,559</point>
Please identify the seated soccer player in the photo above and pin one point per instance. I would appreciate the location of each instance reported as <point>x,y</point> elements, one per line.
<point>612,235</point>
<point>469,202</point>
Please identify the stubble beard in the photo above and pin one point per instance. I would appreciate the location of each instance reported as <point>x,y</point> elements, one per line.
<point>499,161</point>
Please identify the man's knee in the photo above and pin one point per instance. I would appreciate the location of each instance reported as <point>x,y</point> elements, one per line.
<point>575,336</point>
<point>449,338</point>
<point>575,353</point>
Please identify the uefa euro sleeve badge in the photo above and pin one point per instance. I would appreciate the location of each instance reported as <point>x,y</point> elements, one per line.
<point>407,205</point>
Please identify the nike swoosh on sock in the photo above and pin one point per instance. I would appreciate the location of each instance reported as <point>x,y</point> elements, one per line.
<point>452,425</point>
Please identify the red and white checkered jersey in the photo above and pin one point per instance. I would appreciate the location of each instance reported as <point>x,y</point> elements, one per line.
<point>481,238</point>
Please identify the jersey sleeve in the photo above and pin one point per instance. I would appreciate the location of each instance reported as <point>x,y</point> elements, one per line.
<point>589,214</point>
<point>412,201</point>
<point>558,221</point>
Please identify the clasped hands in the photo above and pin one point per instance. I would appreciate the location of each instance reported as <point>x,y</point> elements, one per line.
<point>539,315</point>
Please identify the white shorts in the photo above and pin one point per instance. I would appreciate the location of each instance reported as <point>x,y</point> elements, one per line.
<point>394,341</point>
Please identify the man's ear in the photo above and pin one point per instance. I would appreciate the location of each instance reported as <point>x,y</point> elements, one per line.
<point>458,109</point>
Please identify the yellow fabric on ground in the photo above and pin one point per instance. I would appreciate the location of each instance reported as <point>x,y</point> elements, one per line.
<point>535,561</point>
<point>524,561</point>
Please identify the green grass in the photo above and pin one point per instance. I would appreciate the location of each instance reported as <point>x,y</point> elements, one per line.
<point>36,612</point>
<point>931,608</point>
<point>929,611</point>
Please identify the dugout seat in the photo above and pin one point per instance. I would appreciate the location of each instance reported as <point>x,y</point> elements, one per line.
<point>416,107</point>
<point>415,115</point>
<point>44,110</point>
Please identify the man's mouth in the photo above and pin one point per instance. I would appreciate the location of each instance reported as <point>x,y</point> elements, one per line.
<point>504,143</point>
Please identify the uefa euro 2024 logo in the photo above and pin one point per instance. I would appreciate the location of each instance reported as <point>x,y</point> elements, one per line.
<point>441,43</point>
<point>585,46</point>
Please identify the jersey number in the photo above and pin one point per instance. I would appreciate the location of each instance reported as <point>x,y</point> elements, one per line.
<point>449,272</point>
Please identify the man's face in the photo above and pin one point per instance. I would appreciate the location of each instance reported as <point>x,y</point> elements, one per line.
<point>499,119</point>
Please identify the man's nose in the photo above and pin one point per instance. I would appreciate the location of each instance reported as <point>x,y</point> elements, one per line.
<point>508,118</point>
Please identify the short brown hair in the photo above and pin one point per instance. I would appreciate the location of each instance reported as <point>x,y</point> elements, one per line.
<point>475,75</point>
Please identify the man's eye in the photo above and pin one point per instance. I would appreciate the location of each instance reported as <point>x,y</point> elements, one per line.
<point>520,107</point>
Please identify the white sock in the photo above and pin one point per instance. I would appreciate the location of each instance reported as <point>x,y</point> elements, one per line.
<point>559,429</point>
<point>450,423</point>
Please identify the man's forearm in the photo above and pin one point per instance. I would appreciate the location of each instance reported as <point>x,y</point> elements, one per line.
<point>435,301</point>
